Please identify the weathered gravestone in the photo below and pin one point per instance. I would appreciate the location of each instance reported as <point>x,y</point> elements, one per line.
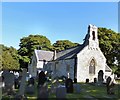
<point>31,81</point>
<point>95,80</point>
<point>30,88</point>
<point>43,91</point>
<point>21,91</point>
<point>77,88</point>
<point>69,85</point>
<point>87,80</point>
<point>110,85</point>
<point>41,78</point>
<point>61,92</point>
<point>9,82</point>
<point>100,76</point>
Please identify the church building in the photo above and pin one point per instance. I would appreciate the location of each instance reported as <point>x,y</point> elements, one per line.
<point>83,62</point>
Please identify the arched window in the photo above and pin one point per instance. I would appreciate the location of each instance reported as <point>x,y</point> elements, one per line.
<point>93,35</point>
<point>92,67</point>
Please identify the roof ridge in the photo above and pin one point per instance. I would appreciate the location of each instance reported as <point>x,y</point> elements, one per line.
<point>70,48</point>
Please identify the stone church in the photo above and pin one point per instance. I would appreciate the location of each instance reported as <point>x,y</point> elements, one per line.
<point>83,62</point>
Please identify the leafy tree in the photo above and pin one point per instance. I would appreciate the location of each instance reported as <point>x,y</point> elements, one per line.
<point>109,42</point>
<point>9,58</point>
<point>29,44</point>
<point>64,44</point>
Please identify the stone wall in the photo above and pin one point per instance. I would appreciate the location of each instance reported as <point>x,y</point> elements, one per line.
<point>60,68</point>
<point>84,58</point>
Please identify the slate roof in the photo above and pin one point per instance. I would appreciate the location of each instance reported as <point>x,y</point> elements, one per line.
<point>44,55</point>
<point>69,53</point>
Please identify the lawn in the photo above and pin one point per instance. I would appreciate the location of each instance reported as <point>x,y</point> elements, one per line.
<point>93,92</point>
<point>87,91</point>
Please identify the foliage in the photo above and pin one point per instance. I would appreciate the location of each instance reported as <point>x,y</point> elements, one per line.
<point>29,44</point>
<point>9,58</point>
<point>64,44</point>
<point>109,42</point>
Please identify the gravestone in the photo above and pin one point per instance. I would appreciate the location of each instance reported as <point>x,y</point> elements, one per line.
<point>9,82</point>
<point>95,80</point>
<point>31,81</point>
<point>110,85</point>
<point>87,80</point>
<point>77,88</point>
<point>61,92</point>
<point>69,85</point>
<point>21,91</point>
<point>43,91</point>
<point>30,88</point>
<point>41,78</point>
<point>100,76</point>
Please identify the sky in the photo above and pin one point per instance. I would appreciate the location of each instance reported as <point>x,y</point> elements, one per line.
<point>55,20</point>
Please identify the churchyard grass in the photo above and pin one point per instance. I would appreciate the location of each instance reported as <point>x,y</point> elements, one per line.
<point>87,91</point>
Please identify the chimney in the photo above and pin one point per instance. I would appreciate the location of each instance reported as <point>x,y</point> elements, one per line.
<point>54,55</point>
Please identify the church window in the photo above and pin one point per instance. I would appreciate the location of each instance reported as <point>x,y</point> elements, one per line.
<point>93,35</point>
<point>92,67</point>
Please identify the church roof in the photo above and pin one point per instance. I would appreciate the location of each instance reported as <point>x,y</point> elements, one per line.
<point>69,53</point>
<point>44,55</point>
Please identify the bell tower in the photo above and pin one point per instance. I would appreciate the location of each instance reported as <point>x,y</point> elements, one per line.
<point>93,42</point>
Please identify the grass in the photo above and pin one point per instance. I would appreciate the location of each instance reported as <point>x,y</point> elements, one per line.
<point>87,91</point>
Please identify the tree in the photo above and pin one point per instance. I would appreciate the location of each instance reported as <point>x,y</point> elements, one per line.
<point>9,58</point>
<point>29,44</point>
<point>109,42</point>
<point>64,44</point>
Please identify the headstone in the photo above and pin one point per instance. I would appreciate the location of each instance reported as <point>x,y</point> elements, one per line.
<point>100,76</point>
<point>30,88</point>
<point>110,85</point>
<point>69,85</point>
<point>31,81</point>
<point>87,80</point>
<point>43,91</point>
<point>9,82</point>
<point>95,80</point>
<point>41,78</point>
<point>22,84</point>
<point>61,92</point>
<point>77,88</point>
